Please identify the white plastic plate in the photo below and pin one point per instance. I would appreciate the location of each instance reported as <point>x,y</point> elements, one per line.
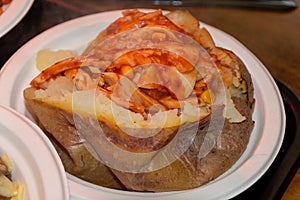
<point>36,163</point>
<point>269,114</point>
<point>13,14</point>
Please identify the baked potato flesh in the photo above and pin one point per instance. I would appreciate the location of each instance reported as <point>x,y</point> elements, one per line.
<point>151,87</point>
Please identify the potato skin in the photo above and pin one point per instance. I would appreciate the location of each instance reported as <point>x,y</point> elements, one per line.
<point>188,171</point>
<point>59,126</point>
<point>185,173</point>
<point>72,149</point>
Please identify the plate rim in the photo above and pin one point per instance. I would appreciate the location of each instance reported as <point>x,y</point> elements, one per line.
<point>7,114</point>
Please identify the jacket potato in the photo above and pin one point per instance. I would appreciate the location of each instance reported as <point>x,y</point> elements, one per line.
<point>152,104</point>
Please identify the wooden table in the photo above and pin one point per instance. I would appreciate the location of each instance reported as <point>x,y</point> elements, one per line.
<point>273,36</point>
<point>293,191</point>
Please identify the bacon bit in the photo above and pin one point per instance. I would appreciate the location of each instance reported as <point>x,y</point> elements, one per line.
<point>157,56</point>
<point>59,67</point>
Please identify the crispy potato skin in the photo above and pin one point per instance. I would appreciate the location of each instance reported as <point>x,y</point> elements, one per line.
<point>188,172</point>
<point>72,149</point>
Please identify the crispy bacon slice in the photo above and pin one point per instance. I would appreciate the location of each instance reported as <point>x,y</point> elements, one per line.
<point>62,66</point>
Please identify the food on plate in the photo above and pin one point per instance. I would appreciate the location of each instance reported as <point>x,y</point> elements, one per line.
<point>9,189</point>
<point>2,4</point>
<point>46,57</point>
<point>152,104</point>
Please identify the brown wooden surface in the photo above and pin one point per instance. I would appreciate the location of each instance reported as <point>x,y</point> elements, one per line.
<point>293,191</point>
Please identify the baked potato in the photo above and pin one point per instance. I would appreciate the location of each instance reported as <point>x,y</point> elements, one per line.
<point>152,104</point>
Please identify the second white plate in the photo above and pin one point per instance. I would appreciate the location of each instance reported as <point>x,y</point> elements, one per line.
<point>13,14</point>
<point>36,163</point>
